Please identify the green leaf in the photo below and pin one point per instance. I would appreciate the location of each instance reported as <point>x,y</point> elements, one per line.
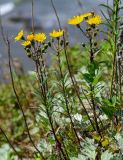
<point>96,80</point>
<point>88,77</point>
<point>109,111</point>
<point>106,6</point>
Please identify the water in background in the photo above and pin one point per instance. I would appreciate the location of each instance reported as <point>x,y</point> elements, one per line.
<point>17,15</point>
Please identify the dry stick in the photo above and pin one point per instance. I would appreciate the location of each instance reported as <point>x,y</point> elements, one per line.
<point>80,4</point>
<point>69,69</point>
<point>3,34</point>
<point>33,22</point>
<point>4,39</point>
<point>9,55</point>
<point>11,145</point>
<point>2,31</point>
<point>18,100</point>
<point>13,85</point>
<point>65,96</point>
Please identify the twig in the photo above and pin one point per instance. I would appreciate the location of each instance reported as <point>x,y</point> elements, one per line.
<point>33,22</point>
<point>11,145</point>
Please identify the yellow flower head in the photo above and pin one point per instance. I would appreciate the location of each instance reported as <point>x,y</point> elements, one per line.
<point>19,35</point>
<point>26,43</point>
<point>30,37</point>
<point>76,20</point>
<point>95,20</point>
<point>56,34</point>
<point>86,14</point>
<point>40,37</point>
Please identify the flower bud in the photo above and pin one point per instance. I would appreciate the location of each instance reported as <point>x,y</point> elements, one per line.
<point>52,39</point>
<point>78,25</point>
<point>29,54</point>
<point>93,26</point>
<point>95,34</point>
<point>67,43</point>
<point>83,44</point>
<point>97,29</point>
<point>88,29</point>
<point>61,42</point>
<point>49,43</point>
<point>95,43</point>
<point>46,46</point>
<point>43,50</point>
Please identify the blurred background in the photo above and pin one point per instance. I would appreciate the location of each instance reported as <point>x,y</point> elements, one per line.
<point>16,15</point>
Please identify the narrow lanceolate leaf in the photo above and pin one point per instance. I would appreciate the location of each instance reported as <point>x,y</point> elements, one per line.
<point>107,6</point>
<point>96,80</point>
<point>107,19</point>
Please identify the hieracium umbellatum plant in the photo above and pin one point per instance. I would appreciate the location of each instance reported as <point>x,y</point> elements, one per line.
<point>78,97</point>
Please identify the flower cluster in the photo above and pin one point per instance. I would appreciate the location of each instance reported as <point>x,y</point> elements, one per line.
<point>28,41</point>
<point>89,17</point>
<point>39,37</point>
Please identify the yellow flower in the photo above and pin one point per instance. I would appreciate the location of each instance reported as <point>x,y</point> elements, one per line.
<point>30,37</point>
<point>26,43</point>
<point>76,20</point>
<point>96,20</point>
<point>40,37</point>
<point>86,14</point>
<point>19,35</point>
<point>105,142</point>
<point>56,34</point>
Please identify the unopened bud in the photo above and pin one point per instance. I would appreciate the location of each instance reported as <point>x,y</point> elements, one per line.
<point>67,43</point>
<point>97,29</point>
<point>61,42</point>
<point>49,44</point>
<point>95,43</point>
<point>29,54</point>
<point>95,34</point>
<point>78,25</point>
<point>88,29</point>
<point>93,26</point>
<point>46,46</point>
<point>83,44</point>
<point>43,50</point>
